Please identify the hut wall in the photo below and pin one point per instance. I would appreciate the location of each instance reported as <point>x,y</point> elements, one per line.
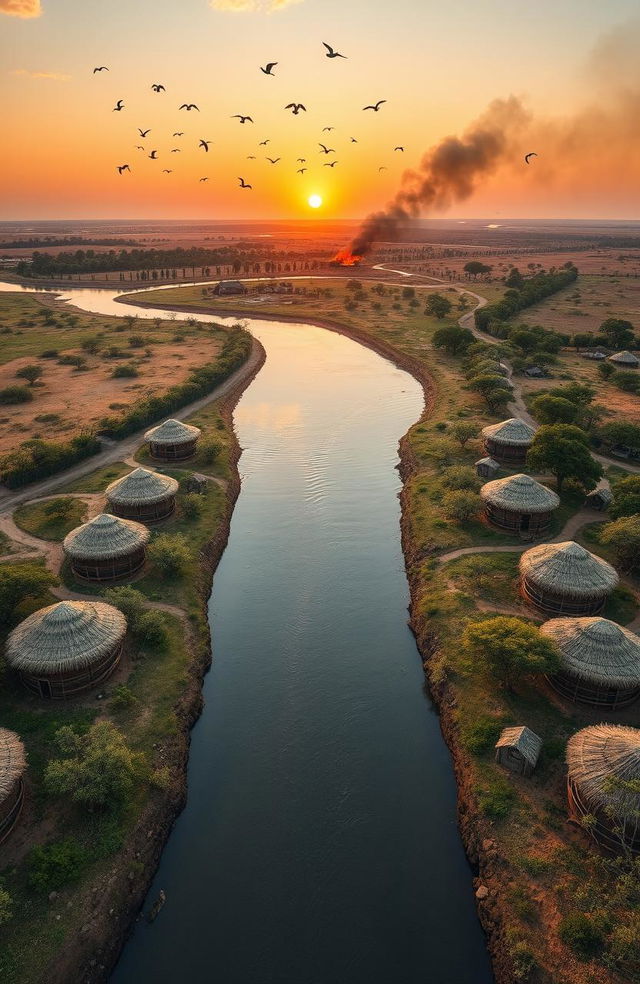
<point>583,692</point>
<point>173,452</point>
<point>558,604</point>
<point>514,454</point>
<point>534,524</point>
<point>11,808</point>
<point>514,760</point>
<point>152,512</point>
<point>62,686</point>
<point>109,569</point>
<point>602,830</point>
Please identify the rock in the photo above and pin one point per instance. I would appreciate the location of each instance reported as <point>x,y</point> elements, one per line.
<point>488,844</point>
<point>53,896</point>
<point>482,892</point>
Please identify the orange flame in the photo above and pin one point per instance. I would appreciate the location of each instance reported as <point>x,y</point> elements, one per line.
<point>344,257</point>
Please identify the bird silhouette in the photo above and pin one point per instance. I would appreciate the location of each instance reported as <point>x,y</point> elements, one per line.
<point>295,108</point>
<point>100,68</point>
<point>180,134</point>
<point>157,87</point>
<point>399,148</point>
<point>527,156</point>
<point>268,69</point>
<point>327,129</point>
<point>204,179</point>
<point>138,147</point>
<point>119,106</point>
<point>167,171</point>
<point>333,164</point>
<point>250,157</point>
<point>263,143</point>
<point>302,170</point>
<point>205,144</point>
<point>243,119</point>
<point>176,150</point>
<point>302,160</point>
<point>326,150</point>
<point>123,167</point>
<point>376,106</point>
<point>383,168</point>
<point>189,107</point>
<point>353,140</point>
<point>243,183</point>
<point>272,160</point>
<point>330,53</point>
<point>143,133</point>
<point>154,155</point>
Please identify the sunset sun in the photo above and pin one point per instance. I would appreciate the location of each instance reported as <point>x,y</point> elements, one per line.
<point>315,201</point>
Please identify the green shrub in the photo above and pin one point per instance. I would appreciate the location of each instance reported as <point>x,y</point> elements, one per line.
<point>170,553</point>
<point>72,360</point>
<point>36,459</point>
<point>208,450</point>
<point>6,906</point>
<point>15,394</point>
<point>151,630</point>
<point>461,505</point>
<point>123,698</point>
<point>130,602</point>
<point>523,960</point>
<point>192,506</point>
<point>49,354</point>
<point>480,735</point>
<point>458,477</point>
<point>127,371</point>
<point>497,799</point>
<point>581,935</point>
<point>55,865</point>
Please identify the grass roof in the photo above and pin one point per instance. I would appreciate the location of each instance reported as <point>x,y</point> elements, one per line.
<point>141,487</point>
<point>13,762</point>
<point>513,431</point>
<point>599,758</point>
<point>625,358</point>
<point>524,739</point>
<point>568,569</point>
<point>172,432</point>
<point>596,650</point>
<point>105,537</point>
<point>70,635</point>
<point>519,494</point>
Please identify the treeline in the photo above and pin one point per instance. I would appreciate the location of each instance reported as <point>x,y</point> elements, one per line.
<point>37,459</point>
<point>39,241</point>
<point>532,290</point>
<point>88,261</point>
<point>199,382</point>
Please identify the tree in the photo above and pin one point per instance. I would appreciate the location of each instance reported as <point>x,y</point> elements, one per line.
<point>623,536</point>
<point>461,505</point>
<point>509,649</point>
<point>627,380</point>
<point>515,279</point>
<point>170,553</point>
<point>525,340</point>
<point>579,393</point>
<point>474,268</point>
<point>626,497</point>
<point>97,769</point>
<point>553,410</point>
<point>19,582</point>
<point>621,432</point>
<point>30,373</point>
<point>438,306</point>
<point>563,450</point>
<point>606,370</point>
<point>619,333</point>
<point>408,293</point>
<point>461,477</point>
<point>15,394</point>
<point>452,338</point>
<point>463,431</point>
<point>582,341</point>
<point>493,388</point>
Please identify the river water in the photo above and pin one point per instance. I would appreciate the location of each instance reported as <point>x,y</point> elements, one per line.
<point>319,843</point>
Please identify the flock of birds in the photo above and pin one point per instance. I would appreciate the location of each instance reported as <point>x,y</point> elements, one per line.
<point>295,107</point>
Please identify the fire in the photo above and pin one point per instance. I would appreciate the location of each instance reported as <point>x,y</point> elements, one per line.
<point>344,257</point>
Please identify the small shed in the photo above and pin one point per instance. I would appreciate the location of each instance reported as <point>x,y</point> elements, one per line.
<point>517,749</point>
<point>143,495</point>
<point>520,504</point>
<point>534,372</point>
<point>68,648</point>
<point>599,499</point>
<point>106,548</point>
<point>13,765</point>
<point>508,441</point>
<point>487,468</point>
<point>229,288</point>
<point>625,360</point>
<point>196,483</point>
<point>172,440</point>
<point>566,579</point>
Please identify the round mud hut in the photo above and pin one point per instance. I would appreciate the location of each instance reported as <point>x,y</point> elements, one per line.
<point>106,548</point>
<point>143,495</point>
<point>519,504</point>
<point>625,360</point>
<point>13,765</point>
<point>599,661</point>
<point>508,441</point>
<point>68,648</point>
<point>602,759</point>
<point>172,440</point>
<point>565,579</point>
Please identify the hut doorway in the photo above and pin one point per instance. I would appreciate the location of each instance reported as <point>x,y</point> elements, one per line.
<point>45,688</point>
<point>525,523</point>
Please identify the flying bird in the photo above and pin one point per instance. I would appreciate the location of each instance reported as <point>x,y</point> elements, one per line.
<point>243,119</point>
<point>143,133</point>
<point>123,167</point>
<point>527,156</point>
<point>251,157</point>
<point>333,164</point>
<point>353,140</point>
<point>176,150</point>
<point>154,155</point>
<point>243,184</point>
<point>272,160</point>
<point>302,160</point>
<point>302,170</point>
<point>376,106</point>
<point>100,68</point>
<point>157,87</point>
<point>263,143</point>
<point>138,147</point>
<point>268,69</point>
<point>383,168</point>
<point>204,179</point>
<point>330,53</point>
<point>167,171</point>
<point>399,148</point>
<point>180,134</point>
<point>327,129</point>
<point>189,107</point>
<point>205,144</point>
<point>118,106</point>
<point>296,107</point>
<point>326,150</point>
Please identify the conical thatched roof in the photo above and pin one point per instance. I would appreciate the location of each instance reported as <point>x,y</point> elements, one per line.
<point>141,487</point>
<point>172,432</point>
<point>524,739</point>
<point>71,635</point>
<point>625,358</point>
<point>596,650</point>
<point>105,537</point>
<point>598,757</point>
<point>519,494</point>
<point>514,432</point>
<point>568,569</point>
<point>13,761</point>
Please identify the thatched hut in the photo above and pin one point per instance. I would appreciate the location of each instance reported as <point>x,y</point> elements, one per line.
<point>172,440</point>
<point>487,468</point>
<point>626,360</point>
<point>143,495</point>
<point>566,579</point>
<point>106,548</point>
<point>600,499</point>
<point>519,503</point>
<point>13,765</point>
<point>517,749</point>
<point>508,441</point>
<point>67,648</point>
<point>599,661</point>
<point>602,759</point>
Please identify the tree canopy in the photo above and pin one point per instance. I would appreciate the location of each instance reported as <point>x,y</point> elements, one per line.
<point>452,338</point>
<point>626,497</point>
<point>563,450</point>
<point>19,582</point>
<point>508,649</point>
<point>548,409</point>
<point>439,307</point>
<point>619,332</point>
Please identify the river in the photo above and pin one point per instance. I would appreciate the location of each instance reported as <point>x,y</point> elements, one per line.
<point>319,843</point>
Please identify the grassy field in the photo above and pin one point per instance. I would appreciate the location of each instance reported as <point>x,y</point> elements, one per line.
<point>586,304</point>
<point>51,520</point>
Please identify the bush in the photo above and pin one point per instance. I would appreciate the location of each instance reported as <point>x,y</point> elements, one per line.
<point>463,431</point>
<point>606,370</point>
<point>461,505</point>
<point>626,497</point>
<point>123,698</point>
<point>72,360</point>
<point>170,553</point>
<point>481,734</point>
<point>30,373</point>
<point>55,865</point>
<point>508,648</point>
<point>128,371</point>
<point>522,960</point>
<point>581,935</point>
<point>208,450</point>
<point>15,394</point>
<point>151,630</point>
<point>497,799</point>
<point>130,602</point>
<point>192,506</point>
<point>627,380</point>
<point>49,354</point>
<point>6,906</point>
<point>623,536</point>
<point>18,582</point>
<point>461,477</point>
<point>136,341</point>
<point>36,459</point>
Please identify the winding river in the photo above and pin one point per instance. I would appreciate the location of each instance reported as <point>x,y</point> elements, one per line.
<point>319,843</point>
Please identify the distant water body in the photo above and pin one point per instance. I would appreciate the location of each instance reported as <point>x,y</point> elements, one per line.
<point>319,843</point>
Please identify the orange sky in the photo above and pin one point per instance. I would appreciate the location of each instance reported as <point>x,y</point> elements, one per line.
<point>437,67</point>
